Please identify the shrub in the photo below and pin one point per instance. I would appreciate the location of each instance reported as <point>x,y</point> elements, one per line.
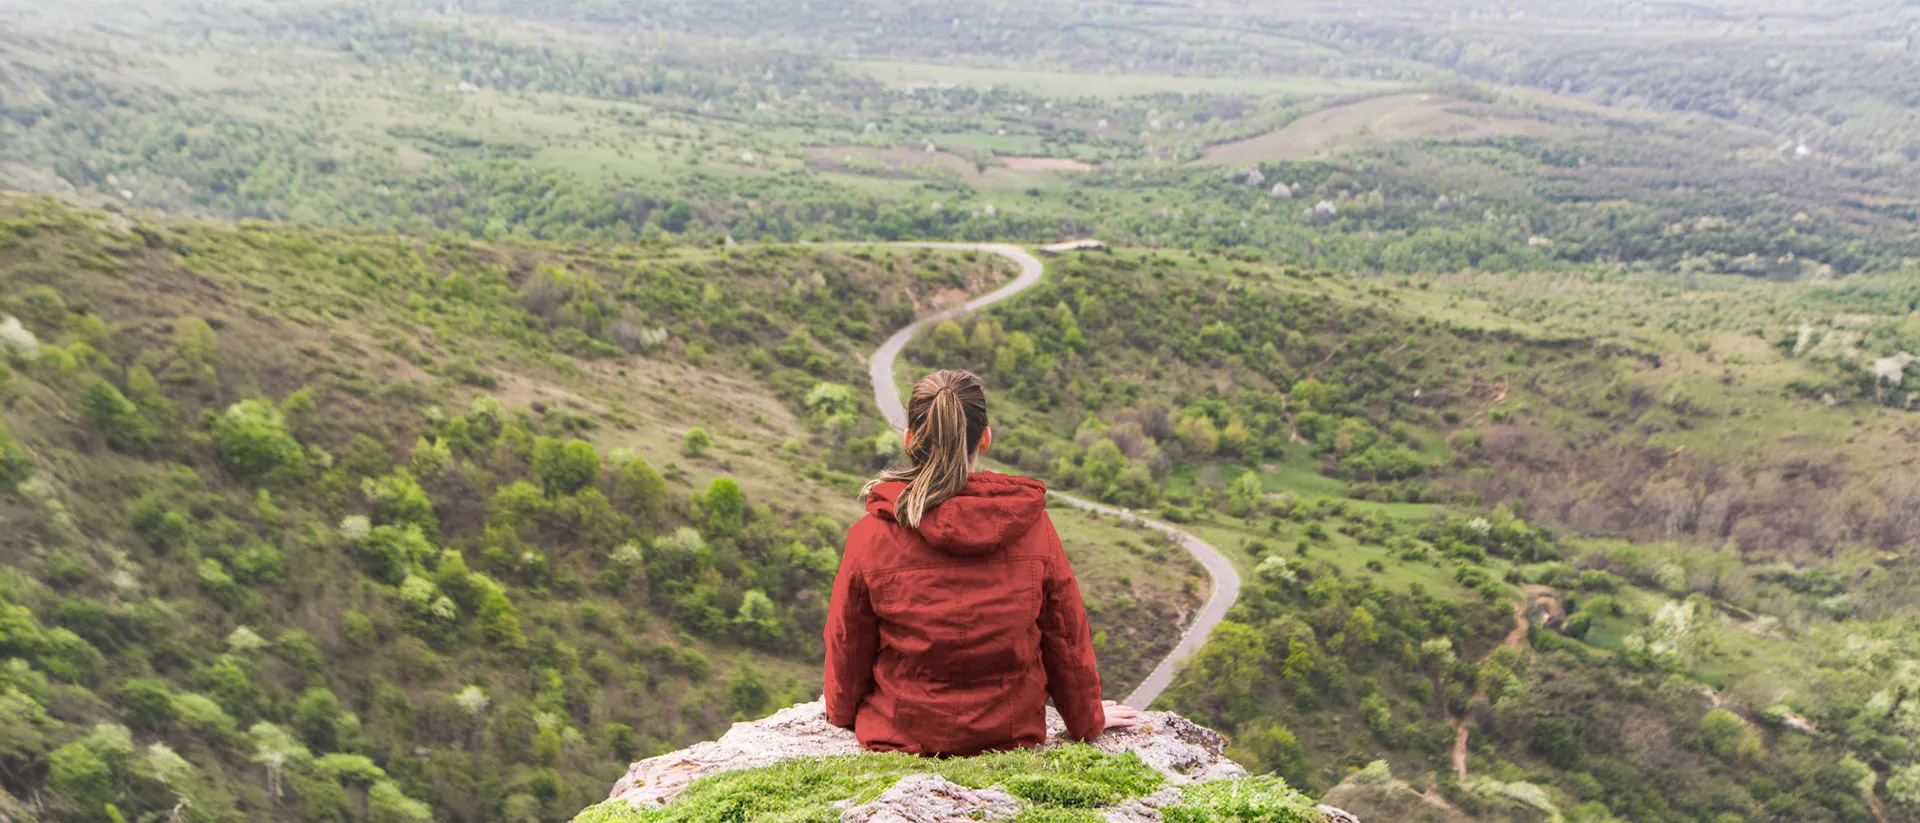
<point>316,715</point>
<point>149,702</point>
<point>43,307</point>
<point>696,442</point>
<point>518,505</point>
<point>726,508</point>
<point>254,442</point>
<point>564,468</point>
<point>387,804</point>
<point>747,692</point>
<point>642,492</point>
<point>16,465</point>
<point>116,416</point>
<point>199,713</point>
<point>87,771</point>
<point>758,620</point>
<point>398,500</point>
<point>591,519</point>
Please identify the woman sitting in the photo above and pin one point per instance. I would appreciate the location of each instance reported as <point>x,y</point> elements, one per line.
<point>955,614</point>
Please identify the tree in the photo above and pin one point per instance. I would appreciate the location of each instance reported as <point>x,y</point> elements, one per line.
<point>254,442</point>
<point>1721,731</point>
<point>1196,431</point>
<point>642,492</point>
<point>1310,394</point>
<point>726,508</point>
<point>1903,785</point>
<point>398,500</point>
<point>758,620</point>
<point>316,715</point>
<point>1233,664</point>
<point>387,804</point>
<point>949,339</point>
<point>88,771</point>
<point>747,692</point>
<point>1245,493</point>
<point>564,468</point>
<point>620,740</point>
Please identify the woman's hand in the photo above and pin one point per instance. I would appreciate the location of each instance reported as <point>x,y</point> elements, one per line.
<point>1118,716</point>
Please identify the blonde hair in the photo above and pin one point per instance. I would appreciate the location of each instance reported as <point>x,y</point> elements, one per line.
<point>947,414</point>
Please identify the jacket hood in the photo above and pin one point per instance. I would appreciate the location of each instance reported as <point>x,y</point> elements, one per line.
<point>990,511</point>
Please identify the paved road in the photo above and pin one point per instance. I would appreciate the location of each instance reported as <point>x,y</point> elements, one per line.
<point>1226,581</point>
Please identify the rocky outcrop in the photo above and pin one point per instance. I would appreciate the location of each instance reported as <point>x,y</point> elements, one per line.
<point>932,797</point>
<point>1181,750</point>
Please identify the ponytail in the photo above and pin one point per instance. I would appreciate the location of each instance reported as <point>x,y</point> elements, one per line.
<point>947,414</point>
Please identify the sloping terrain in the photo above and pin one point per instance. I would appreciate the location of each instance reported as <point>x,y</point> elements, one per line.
<point>301,524</point>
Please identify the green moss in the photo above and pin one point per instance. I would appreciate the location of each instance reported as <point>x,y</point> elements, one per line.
<point>1064,785</point>
<point>1253,800</point>
<point>1060,783</point>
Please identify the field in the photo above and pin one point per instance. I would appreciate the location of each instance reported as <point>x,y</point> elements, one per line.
<point>1375,121</point>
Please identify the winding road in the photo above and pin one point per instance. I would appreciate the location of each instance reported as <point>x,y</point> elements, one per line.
<point>1226,580</point>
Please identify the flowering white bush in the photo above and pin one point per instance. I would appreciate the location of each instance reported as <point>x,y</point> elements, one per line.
<point>1275,569</point>
<point>473,700</point>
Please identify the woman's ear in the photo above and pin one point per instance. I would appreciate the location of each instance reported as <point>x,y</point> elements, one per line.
<point>906,439</point>
<point>986,438</point>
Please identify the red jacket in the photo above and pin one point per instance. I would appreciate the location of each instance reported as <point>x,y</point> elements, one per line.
<point>949,639</point>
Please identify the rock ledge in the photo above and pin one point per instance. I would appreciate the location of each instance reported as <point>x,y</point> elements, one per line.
<point>1178,748</point>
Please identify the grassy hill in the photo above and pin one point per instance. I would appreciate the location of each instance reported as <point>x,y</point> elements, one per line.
<point>311,525</point>
<point>1401,469</point>
<point>1604,314</point>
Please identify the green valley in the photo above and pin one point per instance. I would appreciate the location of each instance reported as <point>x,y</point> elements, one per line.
<point>417,410</point>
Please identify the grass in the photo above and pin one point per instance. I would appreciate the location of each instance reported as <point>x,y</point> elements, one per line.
<point>1343,552</point>
<point>1134,586</point>
<point>1068,783</point>
<point>1389,118</point>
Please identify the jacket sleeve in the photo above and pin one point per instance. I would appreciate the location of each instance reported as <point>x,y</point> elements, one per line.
<point>853,638</point>
<point>1066,644</point>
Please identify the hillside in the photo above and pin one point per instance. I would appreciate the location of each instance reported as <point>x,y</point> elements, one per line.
<point>422,409</point>
<point>1419,479</point>
<point>302,524</point>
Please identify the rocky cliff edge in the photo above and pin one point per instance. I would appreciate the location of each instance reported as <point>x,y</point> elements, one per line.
<point>1184,753</point>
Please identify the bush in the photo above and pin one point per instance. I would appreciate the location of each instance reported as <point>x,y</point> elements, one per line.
<point>87,771</point>
<point>398,500</point>
<point>149,702</point>
<point>564,468</point>
<point>116,417</point>
<point>620,740</point>
<point>726,508</point>
<point>16,465</point>
<point>254,442</point>
<point>641,491</point>
<point>316,716</point>
<point>518,505</point>
<point>696,442</point>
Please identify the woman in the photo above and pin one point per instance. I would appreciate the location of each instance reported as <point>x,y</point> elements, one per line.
<point>955,615</point>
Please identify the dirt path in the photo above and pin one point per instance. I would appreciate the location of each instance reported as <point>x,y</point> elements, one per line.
<point>1516,639</point>
<point>1226,580</point>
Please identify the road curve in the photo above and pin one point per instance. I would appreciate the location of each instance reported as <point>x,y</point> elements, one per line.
<point>1226,580</point>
